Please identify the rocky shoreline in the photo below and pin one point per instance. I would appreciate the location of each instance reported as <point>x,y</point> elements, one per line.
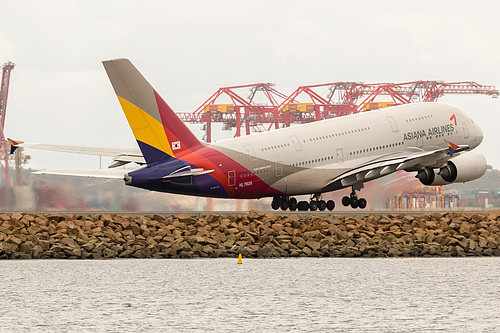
<point>255,235</point>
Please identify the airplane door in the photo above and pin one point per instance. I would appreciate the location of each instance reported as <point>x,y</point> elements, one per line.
<point>231,178</point>
<point>251,152</point>
<point>466,130</point>
<point>340,156</point>
<point>279,169</point>
<point>394,126</point>
<point>420,142</point>
<point>296,143</point>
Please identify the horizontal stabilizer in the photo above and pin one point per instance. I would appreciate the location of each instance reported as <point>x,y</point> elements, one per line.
<point>92,173</point>
<point>87,150</point>
<point>125,159</point>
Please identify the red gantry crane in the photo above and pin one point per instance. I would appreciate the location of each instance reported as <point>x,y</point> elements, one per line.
<point>241,111</point>
<point>352,97</point>
<point>4,92</point>
<point>341,98</point>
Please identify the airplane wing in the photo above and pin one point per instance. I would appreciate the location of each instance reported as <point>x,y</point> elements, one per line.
<point>121,156</point>
<point>411,159</point>
<point>92,173</point>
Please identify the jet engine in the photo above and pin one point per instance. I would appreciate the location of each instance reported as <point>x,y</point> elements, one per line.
<point>462,168</point>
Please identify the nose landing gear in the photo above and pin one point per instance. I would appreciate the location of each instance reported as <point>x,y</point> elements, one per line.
<point>314,203</point>
<point>353,201</point>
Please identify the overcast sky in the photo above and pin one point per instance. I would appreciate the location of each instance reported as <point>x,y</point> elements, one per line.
<point>60,93</point>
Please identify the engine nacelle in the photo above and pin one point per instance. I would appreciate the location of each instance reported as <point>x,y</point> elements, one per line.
<point>462,168</point>
<point>427,176</point>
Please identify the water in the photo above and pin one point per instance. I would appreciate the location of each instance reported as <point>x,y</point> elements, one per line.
<point>261,295</point>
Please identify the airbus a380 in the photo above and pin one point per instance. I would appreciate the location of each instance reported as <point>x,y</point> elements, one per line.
<point>433,140</point>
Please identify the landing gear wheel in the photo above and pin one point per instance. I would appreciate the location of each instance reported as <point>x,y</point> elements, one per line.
<point>346,201</point>
<point>354,202</point>
<point>284,204</point>
<point>330,204</point>
<point>322,205</point>
<point>303,205</point>
<point>362,203</point>
<point>313,205</point>
<point>276,203</point>
<point>292,204</point>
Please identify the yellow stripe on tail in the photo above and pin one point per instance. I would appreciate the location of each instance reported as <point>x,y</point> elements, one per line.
<point>145,128</point>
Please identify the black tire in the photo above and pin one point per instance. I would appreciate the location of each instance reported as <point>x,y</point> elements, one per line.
<point>330,205</point>
<point>313,205</point>
<point>322,205</point>
<point>346,201</point>
<point>362,203</point>
<point>276,203</point>
<point>354,202</point>
<point>292,204</point>
<point>284,204</point>
<point>303,205</point>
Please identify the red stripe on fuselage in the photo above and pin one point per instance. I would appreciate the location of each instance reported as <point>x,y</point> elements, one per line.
<point>192,151</point>
<point>210,159</point>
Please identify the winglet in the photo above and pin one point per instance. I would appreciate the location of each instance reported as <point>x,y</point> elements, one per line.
<point>451,147</point>
<point>13,145</point>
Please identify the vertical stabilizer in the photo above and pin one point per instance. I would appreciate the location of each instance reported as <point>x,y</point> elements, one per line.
<point>157,129</point>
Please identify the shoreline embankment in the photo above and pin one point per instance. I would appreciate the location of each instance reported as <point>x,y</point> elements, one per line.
<point>254,235</point>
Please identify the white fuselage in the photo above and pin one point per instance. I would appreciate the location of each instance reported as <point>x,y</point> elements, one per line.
<point>303,159</point>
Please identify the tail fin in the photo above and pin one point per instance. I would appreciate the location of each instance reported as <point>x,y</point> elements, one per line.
<point>157,129</point>
<point>13,145</point>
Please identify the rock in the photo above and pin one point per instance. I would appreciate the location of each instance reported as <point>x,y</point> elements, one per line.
<point>17,216</point>
<point>283,238</point>
<point>139,254</point>
<point>37,250</point>
<point>254,234</point>
<point>34,230</point>
<point>492,242</point>
<point>13,240</point>
<point>393,252</point>
<point>158,218</point>
<point>26,247</point>
<point>212,218</point>
<point>477,217</point>
<point>307,251</point>
<point>300,243</point>
<point>145,230</point>
<point>314,245</point>
<point>136,230</point>
<point>255,215</point>
<point>15,223</point>
<point>277,227</point>
<point>186,219</point>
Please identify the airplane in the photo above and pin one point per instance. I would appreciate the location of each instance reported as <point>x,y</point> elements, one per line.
<point>432,140</point>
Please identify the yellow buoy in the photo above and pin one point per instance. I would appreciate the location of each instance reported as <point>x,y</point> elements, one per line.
<point>240,261</point>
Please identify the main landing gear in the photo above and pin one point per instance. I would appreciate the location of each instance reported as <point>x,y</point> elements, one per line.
<point>291,203</point>
<point>353,201</point>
